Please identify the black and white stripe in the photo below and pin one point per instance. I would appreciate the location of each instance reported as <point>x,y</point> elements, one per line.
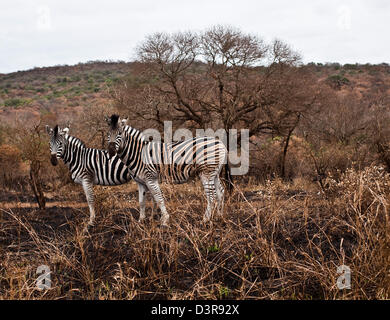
<point>150,162</point>
<point>87,166</point>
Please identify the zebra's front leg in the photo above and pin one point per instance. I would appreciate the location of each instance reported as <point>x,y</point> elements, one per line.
<point>154,188</point>
<point>88,190</point>
<point>141,198</point>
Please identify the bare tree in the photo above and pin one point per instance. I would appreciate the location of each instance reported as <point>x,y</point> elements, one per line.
<point>93,119</point>
<point>35,152</point>
<point>219,78</point>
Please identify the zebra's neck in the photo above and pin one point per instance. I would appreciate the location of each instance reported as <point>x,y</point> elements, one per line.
<point>73,149</point>
<point>131,154</point>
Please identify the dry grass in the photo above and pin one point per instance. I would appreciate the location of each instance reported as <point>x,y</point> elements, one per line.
<point>275,241</point>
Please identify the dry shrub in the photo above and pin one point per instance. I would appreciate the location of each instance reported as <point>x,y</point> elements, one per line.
<point>265,159</point>
<point>364,198</point>
<point>12,173</point>
<point>266,155</point>
<point>351,228</point>
<point>106,201</point>
<point>330,160</point>
<point>59,176</point>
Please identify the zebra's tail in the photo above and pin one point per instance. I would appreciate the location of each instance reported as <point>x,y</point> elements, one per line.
<point>228,177</point>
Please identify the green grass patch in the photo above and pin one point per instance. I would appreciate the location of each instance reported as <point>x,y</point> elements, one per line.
<point>16,102</point>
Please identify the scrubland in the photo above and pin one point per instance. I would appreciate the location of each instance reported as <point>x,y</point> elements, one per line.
<point>316,196</point>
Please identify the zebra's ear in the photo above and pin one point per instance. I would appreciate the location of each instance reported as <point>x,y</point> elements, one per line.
<point>49,130</point>
<point>65,130</point>
<point>124,121</point>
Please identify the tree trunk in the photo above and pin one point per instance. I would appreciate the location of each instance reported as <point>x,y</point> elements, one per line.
<point>36,186</point>
<point>286,145</point>
<point>284,154</point>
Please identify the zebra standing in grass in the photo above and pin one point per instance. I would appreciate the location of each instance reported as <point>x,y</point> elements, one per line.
<point>87,166</point>
<point>149,161</point>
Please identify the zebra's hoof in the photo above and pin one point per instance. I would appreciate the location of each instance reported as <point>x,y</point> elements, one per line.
<point>164,221</point>
<point>164,227</point>
<point>88,227</point>
<point>206,219</point>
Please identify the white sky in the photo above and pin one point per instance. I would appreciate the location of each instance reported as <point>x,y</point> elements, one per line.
<point>49,32</point>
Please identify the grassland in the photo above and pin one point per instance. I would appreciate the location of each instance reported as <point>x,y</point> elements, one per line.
<point>274,241</point>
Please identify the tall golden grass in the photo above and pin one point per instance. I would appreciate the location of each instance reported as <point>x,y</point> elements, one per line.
<point>275,241</point>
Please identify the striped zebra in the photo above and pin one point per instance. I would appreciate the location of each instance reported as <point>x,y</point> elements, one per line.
<point>87,166</point>
<point>149,162</point>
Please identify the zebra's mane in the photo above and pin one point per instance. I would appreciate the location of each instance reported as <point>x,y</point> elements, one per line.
<point>75,140</point>
<point>132,132</point>
<point>114,121</point>
<point>68,136</point>
<point>55,131</point>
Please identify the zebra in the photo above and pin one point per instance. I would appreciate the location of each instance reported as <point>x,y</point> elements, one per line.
<point>87,166</point>
<point>148,162</point>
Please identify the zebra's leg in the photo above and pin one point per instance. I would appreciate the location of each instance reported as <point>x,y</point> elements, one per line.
<point>88,190</point>
<point>209,189</point>
<point>220,194</point>
<point>141,198</point>
<point>154,188</point>
<point>154,205</point>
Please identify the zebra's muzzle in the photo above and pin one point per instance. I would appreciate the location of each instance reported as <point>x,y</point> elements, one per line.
<point>53,159</point>
<point>111,149</point>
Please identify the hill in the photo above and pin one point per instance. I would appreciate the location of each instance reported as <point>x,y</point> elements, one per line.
<point>59,90</point>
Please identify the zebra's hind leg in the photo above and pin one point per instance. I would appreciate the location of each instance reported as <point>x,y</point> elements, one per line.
<point>220,194</point>
<point>88,190</point>
<point>209,189</point>
<point>141,198</point>
<point>154,188</point>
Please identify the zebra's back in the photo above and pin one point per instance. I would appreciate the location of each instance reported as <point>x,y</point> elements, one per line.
<point>181,160</point>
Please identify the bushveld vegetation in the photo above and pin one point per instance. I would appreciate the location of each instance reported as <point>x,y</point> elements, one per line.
<point>316,196</point>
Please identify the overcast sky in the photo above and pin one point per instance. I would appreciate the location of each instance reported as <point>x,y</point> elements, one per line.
<point>45,33</point>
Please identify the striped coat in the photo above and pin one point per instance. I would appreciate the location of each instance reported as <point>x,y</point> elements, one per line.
<point>87,166</point>
<point>151,162</point>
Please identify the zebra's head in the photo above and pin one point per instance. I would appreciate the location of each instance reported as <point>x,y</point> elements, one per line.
<point>116,134</point>
<point>57,142</point>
